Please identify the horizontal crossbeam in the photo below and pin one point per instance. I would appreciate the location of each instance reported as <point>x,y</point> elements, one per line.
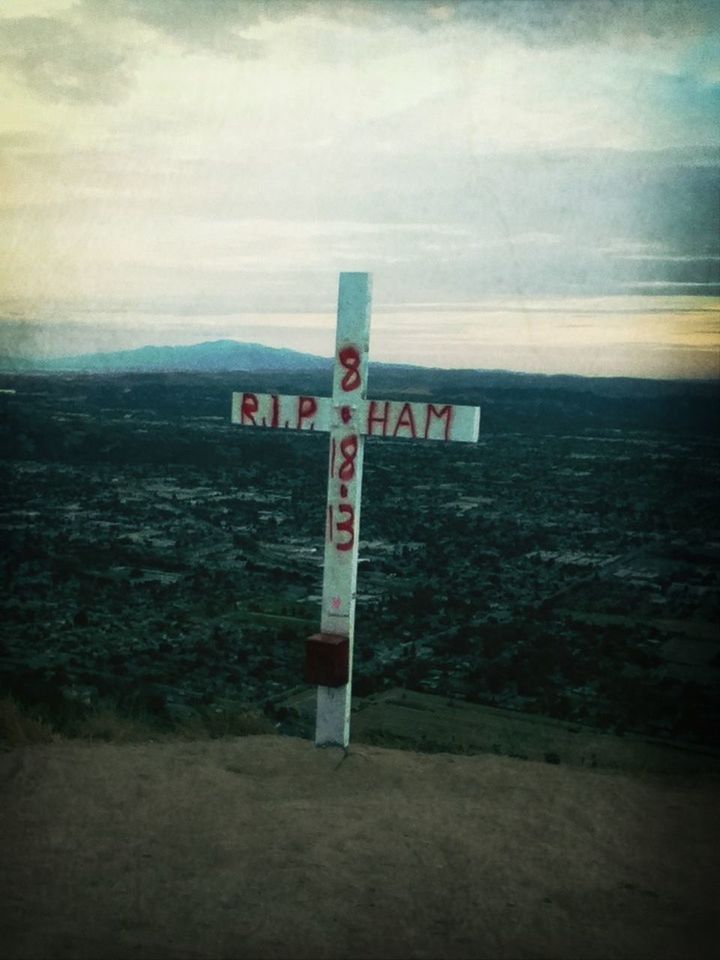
<point>392,419</point>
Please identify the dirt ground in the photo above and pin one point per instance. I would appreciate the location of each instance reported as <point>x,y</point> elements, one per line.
<point>268,847</point>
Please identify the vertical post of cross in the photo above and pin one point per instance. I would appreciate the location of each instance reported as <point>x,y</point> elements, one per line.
<point>342,523</point>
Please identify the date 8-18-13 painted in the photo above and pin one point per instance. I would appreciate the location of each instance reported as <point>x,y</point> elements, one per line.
<point>340,528</point>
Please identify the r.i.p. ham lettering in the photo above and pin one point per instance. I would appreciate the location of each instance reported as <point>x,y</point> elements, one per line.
<point>349,417</point>
<point>275,411</point>
<point>390,419</point>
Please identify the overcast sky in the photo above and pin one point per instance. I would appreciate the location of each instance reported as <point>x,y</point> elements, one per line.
<point>534,185</point>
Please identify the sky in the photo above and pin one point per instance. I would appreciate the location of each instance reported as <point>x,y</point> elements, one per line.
<point>534,185</point>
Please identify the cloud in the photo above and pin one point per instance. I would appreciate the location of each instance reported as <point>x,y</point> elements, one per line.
<point>667,258</point>
<point>60,61</point>
<point>441,144</point>
<point>571,22</point>
<point>546,22</point>
<point>216,25</point>
<point>12,141</point>
<point>87,52</point>
<point>531,224</point>
<point>711,288</point>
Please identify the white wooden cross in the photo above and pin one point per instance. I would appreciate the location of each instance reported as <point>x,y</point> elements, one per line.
<point>349,417</point>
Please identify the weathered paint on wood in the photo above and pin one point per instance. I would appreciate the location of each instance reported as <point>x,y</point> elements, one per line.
<point>349,417</point>
<point>281,412</point>
<point>342,522</point>
<point>391,419</point>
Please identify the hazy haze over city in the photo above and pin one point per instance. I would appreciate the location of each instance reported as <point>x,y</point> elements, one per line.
<point>534,185</point>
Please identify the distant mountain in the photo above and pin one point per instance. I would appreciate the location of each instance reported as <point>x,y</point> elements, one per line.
<point>211,356</point>
<point>229,356</point>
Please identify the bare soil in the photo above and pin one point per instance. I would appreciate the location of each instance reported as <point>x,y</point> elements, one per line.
<point>266,847</point>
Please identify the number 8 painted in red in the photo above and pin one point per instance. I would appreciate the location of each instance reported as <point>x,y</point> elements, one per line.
<point>350,360</point>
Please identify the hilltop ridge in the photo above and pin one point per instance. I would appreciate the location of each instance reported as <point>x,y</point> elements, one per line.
<point>272,848</point>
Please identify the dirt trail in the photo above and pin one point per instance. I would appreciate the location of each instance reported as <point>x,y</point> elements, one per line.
<point>267,847</point>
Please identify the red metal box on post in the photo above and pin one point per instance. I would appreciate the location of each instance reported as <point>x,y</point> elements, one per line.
<point>327,660</point>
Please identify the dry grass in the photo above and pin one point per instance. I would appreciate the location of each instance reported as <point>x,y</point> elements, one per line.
<point>268,848</point>
<point>17,727</point>
<point>216,722</point>
<point>109,723</point>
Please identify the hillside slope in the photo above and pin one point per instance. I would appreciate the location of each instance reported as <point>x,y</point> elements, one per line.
<point>268,847</point>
